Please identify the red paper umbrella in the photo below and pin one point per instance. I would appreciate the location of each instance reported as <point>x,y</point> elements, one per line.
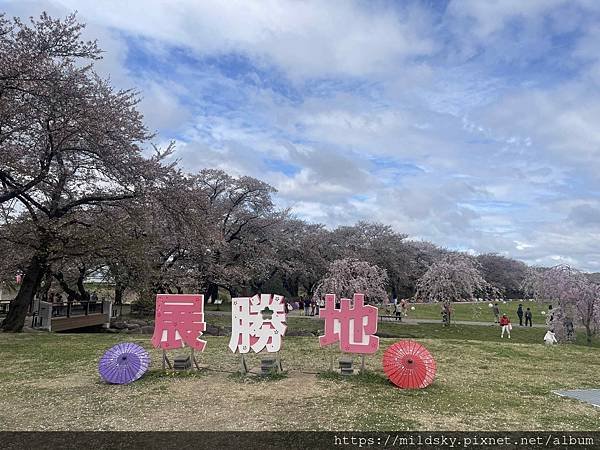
<point>409,365</point>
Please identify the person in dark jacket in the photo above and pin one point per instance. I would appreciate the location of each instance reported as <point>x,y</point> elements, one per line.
<point>528,317</point>
<point>520,314</point>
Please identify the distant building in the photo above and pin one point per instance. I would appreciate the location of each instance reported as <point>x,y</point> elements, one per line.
<point>8,291</point>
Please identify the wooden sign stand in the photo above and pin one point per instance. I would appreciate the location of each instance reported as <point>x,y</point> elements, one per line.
<point>243,365</point>
<point>167,363</point>
<point>193,356</point>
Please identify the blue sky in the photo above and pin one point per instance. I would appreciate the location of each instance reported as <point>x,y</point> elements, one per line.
<point>473,124</point>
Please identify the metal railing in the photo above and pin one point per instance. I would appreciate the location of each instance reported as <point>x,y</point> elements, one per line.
<point>70,309</point>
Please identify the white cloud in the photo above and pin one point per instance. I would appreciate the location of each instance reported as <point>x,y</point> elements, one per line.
<point>304,39</point>
<point>474,127</point>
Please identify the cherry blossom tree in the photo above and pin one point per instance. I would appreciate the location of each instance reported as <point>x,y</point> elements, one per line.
<point>405,261</point>
<point>301,254</point>
<point>244,218</point>
<point>575,296</point>
<point>347,276</point>
<point>69,143</point>
<point>377,244</point>
<point>453,278</point>
<point>505,274</point>
<point>36,59</point>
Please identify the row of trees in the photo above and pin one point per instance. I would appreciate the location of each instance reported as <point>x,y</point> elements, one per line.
<point>83,191</point>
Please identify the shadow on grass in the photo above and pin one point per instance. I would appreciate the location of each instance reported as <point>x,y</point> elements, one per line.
<point>366,377</point>
<point>255,378</point>
<point>158,374</point>
<point>376,379</point>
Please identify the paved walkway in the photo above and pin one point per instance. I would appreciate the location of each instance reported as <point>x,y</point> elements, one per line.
<point>456,322</point>
<point>591,396</point>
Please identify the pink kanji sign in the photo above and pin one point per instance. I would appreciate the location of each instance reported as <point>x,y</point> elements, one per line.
<point>352,325</point>
<point>179,321</point>
<point>257,323</point>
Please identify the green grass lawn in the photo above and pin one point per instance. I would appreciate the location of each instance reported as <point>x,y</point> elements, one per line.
<point>50,382</point>
<point>472,312</point>
<point>226,306</point>
<point>477,312</point>
<point>523,335</point>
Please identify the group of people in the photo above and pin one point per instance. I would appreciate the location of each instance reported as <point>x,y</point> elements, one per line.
<point>506,326</point>
<point>57,297</point>
<point>310,307</point>
<point>305,306</point>
<point>528,316</point>
<point>505,323</point>
<point>520,313</point>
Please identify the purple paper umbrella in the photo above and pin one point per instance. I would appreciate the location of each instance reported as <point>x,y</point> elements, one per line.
<point>123,363</point>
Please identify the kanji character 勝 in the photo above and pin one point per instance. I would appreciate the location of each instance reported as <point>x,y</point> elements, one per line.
<point>353,326</point>
<point>250,330</point>
<point>179,321</point>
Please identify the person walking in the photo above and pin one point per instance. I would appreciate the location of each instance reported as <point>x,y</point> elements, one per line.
<point>306,307</point>
<point>403,308</point>
<point>448,310</point>
<point>569,328</point>
<point>520,314</point>
<point>496,311</point>
<point>528,317</point>
<point>398,311</point>
<point>506,325</point>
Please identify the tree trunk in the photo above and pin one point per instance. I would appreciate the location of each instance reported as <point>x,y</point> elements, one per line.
<point>588,334</point>
<point>72,295</point>
<point>310,289</point>
<point>119,291</point>
<point>83,293</point>
<point>292,285</point>
<point>15,320</point>
<point>246,291</point>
